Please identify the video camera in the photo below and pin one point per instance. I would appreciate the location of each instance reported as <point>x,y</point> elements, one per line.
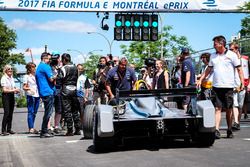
<point>54,60</point>
<point>150,62</point>
<point>101,66</point>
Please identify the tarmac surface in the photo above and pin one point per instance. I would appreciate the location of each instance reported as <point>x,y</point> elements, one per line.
<point>29,150</point>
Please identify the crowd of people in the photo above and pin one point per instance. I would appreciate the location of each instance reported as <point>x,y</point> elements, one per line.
<point>64,88</point>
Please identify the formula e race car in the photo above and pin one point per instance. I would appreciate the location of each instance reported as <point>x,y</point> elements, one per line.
<point>150,114</point>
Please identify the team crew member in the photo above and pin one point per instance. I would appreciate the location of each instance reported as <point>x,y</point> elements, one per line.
<point>46,88</point>
<point>223,64</point>
<point>120,77</point>
<point>187,74</point>
<point>9,89</point>
<point>68,76</point>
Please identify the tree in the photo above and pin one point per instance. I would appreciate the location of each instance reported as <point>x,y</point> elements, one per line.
<point>245,36</point>
<point>91,65</point>
<point>137,52</point>
<point>7,43</point>
<point>246,7</point>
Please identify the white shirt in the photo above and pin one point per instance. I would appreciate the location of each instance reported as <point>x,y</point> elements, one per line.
<point>30,80</point>
<point>244,64</point>
<point>224,69</point>
<point>7,82</point>
<point>80,86</point>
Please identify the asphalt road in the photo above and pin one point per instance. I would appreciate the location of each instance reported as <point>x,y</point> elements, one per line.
<point>25,150</point>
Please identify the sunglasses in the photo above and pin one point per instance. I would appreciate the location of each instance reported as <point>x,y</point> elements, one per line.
<point>9,69</point>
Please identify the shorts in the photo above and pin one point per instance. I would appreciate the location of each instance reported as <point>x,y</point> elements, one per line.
<point>224,97</point>
<point>239,99</point>
<point>246,96</point>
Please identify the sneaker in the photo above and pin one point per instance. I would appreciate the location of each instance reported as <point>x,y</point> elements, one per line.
<point>33,131</point>
<point>57,130</point>
<point>245,116</point>
<point>217,134</point>
<point>50,132</point>
<point>77,132</point>
<point>230,133</point>
<point>69,134</point>
<point>11,132</point>
<point>46,135</point>
<point>236,126</point>
<point>5,133</point>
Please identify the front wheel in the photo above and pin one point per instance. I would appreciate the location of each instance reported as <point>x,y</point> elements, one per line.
<point>88,121</point>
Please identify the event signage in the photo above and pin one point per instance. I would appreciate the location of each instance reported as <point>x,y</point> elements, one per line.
<point>124,5</point>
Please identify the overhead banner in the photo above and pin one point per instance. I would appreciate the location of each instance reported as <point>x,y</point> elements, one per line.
<point>124,5</point>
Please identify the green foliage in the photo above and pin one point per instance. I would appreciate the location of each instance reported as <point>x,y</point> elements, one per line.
<point>21,102</point>
<point>245,27</point>
<point>170,44</point>
<point>7,43</point>
<point>246,7</point>
<point>91,65</point>
<point>245,35</point>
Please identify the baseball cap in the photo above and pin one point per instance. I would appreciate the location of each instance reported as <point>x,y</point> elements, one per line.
<point>185,50</point>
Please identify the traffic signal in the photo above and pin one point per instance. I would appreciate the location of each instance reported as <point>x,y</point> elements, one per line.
<point>145,28</point>
<point>136,30</point>
<point>136,27</point>
<point>118,34</point>
<point>118,27</point>
<point>154,28</point>
<point>127,28</point>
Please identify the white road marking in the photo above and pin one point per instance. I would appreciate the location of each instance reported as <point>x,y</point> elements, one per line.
<point>72,141</point>
<point>247,139</point>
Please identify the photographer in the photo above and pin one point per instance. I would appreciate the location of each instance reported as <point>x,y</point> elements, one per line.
<point>99,79</point>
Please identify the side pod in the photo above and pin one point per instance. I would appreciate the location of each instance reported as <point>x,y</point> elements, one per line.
<point>206,109</point>
<point>105,127</point>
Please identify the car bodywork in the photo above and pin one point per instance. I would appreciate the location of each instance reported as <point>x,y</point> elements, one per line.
<point>151,114</point>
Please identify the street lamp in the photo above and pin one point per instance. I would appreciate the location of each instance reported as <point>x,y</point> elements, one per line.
<point>81,53</point>
<point>109,43</point>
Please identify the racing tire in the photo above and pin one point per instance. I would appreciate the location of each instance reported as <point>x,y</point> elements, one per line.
<point>88,121</point>
<point>101,144</point>
<point>205,139</point>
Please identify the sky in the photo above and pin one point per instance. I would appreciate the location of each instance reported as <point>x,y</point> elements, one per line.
<point>61,31</point>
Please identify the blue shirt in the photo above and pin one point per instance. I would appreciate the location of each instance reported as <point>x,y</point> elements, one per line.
<point>187,65</point>
<point>117,81</point>
<point>43,73</point>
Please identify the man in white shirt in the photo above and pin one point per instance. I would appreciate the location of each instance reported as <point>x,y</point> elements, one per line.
<point>223,63</point>
<point>239,96</point>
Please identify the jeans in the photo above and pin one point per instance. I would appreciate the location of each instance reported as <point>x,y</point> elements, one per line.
<point>32,105</point>
<point>48,110</point>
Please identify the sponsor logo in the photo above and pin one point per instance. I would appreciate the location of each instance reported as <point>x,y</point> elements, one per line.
<point>210,3</point>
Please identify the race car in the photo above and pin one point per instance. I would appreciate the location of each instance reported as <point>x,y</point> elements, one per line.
<point>150,114</point>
